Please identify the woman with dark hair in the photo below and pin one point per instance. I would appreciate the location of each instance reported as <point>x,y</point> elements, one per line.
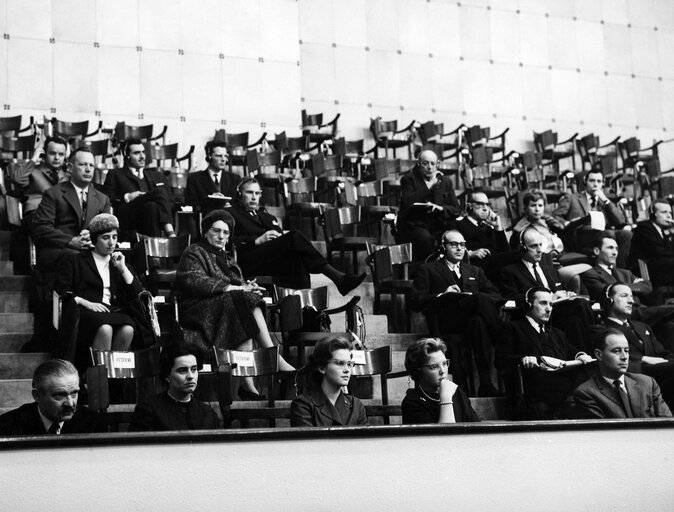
<point>176,408</point>
<point>101,285</point>
<point>214,299</point>
<point>434,398</point>
<point>325,404</point>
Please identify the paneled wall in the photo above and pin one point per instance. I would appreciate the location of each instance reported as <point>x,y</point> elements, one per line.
<point>602,66</point>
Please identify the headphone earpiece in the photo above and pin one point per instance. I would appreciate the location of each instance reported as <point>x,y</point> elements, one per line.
<point>522,247</point>
<point>242,183</point>
<point>528,301</point>
<point>208,148</point>
<point>608,299</point>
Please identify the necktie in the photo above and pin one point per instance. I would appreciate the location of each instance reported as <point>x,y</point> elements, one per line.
<point>216,180</point>
<point>623,398</point>
<point>537,276</point>
<point>629,325</point>
<point>614,273</point>
<point>53,429</point>
<point>83,199</point>
<point>593,202</point>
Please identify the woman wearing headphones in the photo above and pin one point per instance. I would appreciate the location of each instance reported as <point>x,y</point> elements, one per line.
<point>214,299</point>
<point>264,249</point>
<point>434,398</point>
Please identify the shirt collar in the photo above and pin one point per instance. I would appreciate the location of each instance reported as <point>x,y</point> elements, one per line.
<point>534,324</point>
<point>606,267</point>
<point>474,221</point>
<point>103,260</point>
<point>47,422</point>
<point>79,190</point>
<point>617,320</point>
<point>621,379</point>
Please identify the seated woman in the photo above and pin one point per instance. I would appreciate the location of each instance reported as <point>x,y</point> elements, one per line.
<point>534,202</point>
<point>176,409</point>
<point>324,404</point>
<point>434,398</point>
<point>96,286</point>
<point>214,300</point>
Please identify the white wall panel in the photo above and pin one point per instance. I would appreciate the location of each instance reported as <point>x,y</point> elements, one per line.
<point>615,11</point>
<point>592,97</point>
<point>507,84</point>
<point>621,101</point>
<point>644,52</point>
<point>478,97</point>
<point>665,41</point>
<point>242,79</point>
<point>589,11</point>
<point>533,6</point>
<point>350,75</point>
<point>117,22</point>
<point>74,20</point>
<point>354,122</point>
<point>618,48</point>
<point>202,87</point>
<point>349,22</point>
<point>318,72</point>
<point>413,26</point>
<point>416,90</point>
<point>561,8</point>
<point>4,71</point>
<point>533,33</point>
<point>75,73</point>
<point>447,83</point>
<point>561,43</point>
<point>163,35</point>
<point>201,26</point>
<point>241,28</point>
<point>642,13</point>
<point>444,29</point>
<point>278,30</point>
<point>383,78</point>
<point>475,35</point>
<point>382,24</point>
<point>119,81</point>
<point>664,14</point>
<point>505,38</point>
<point>667,95</point>
<point>161,92</point>
<point>30,81</point>
<point>565,92</point>
<point>281,93</point>
<point>29,19</point>
<point>536,94</point>
<point>589,42</point>
<point>648,103</point>
<point>316,21</point>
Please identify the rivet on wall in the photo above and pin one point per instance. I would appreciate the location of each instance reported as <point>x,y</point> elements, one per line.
<point>97,113</point>
<point>6,106</point>
<point>182,119</point>
<point>221,56</point>
<point>223,122</point>
<point>5,36</point>
<point>180,52</point>
<point>52,40</point>
<point>141,116</point>
<point>97,44</point>
<point>263,124</point>
<point>139,48</point>
<point>52,110</point>
<point>260,59</point>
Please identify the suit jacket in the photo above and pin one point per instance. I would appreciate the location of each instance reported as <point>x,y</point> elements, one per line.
<point>516,280</point>
<point>200,186</point>
<point>59,218</point>
<point>478,238</point>
<point>596,398</point>
<point>597,279</point>
<point>313,409</point>
<point>649,245</point>
<point>122,181</point>
<point>26,421</point>
<point>248,227</point>
<point>573,206</point>
<point>434,278</point>
<point>416,408</point>
<point>35,180</point>
<point>642,342</point>
<point>161,413</point>
<point>413,189</point>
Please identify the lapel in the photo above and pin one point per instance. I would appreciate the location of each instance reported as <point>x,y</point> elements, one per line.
<point>467,284</point>
<point>129,175</point>
<point>605,277</point>
<point>634,396</point>
<point>94,204</point>
<point>534,336</point>
<point>70,195</point>
<point>608,391</point>
<point>325,407</point>
<point>448,275</point>
<point>584,205</point>
<point>209,184</point>
<point>524,270</point>
<point>89,260</point>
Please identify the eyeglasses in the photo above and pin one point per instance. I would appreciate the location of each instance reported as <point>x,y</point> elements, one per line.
<point>426,163</point>
<point>436,366</point>
<point>478,204</point>
<point>343,364</point>
<point>455,245</point>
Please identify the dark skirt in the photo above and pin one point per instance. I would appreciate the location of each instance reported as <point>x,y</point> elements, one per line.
<point>224,321</point>
<point>90,321</point>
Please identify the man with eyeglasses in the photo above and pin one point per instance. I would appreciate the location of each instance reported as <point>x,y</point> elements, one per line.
<point>458,299</point>
<point>428,205</point>
<point>485,238</point>
<point>547,394</point>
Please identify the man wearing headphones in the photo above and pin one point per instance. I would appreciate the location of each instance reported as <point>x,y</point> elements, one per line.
<point>647,355</point>
<point>264,249</point>
<point>43,171</point>
<point>653,243</point>
<point>547,394</point>
<point>214,187</point>
<point>141,199</point>
<point>457,298</point>
<point>573,207</point>
<point>572,316</point>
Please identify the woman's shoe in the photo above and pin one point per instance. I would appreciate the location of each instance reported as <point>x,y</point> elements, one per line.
<point>244,394</point>
<point>349,282</point>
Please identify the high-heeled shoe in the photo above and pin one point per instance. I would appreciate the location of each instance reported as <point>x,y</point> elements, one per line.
<point>245,394</point>
<point>349,282</point>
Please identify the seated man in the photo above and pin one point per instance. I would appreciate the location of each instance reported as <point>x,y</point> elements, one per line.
<point>573,316</point>
<point>614,393</point>
<point>36,177</point>
<point>647,355</point>
<point>605,272</point>
<point>428,205</point>
<point>653,243</point>
<point>573,207</point>
<point>485,239</point>
<point>141,199</point>
<point>56,385</point>
<point>547,393</point>
<point>214,182</point>
<point>263,248</point>
<point>457,298</point>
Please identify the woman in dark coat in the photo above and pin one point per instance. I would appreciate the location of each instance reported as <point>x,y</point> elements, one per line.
<point>214,299</point>
<point>434,398</point>
<point>325,404</point>
<point>176,408</point>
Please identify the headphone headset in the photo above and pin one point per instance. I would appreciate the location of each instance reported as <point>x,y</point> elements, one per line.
<point>529,297</point>
<point>242,183</point>
<point>522,246</point>
<point>608,299</point>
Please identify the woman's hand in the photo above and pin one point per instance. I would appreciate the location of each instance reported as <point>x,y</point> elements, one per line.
<point>118,261</point>
<point>447,390</point>
<point>94,306</point>
<point>252,286</point>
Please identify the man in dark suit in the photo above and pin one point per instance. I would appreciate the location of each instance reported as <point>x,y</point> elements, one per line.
<point>59,222</point>
<point>572,315</point>
<point>653,243</point>
<point>264,249</point>
<point>428,205</point>
<point>141,199</point>
<point>547,394</point>
<point>647,355</point>
<point>573,207</point>
<point>485,238</point>
<point>605,272</point>
<point>458,298</point>
<point>614,393</point>
<point>56,385</point>
<point>209,189</point>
